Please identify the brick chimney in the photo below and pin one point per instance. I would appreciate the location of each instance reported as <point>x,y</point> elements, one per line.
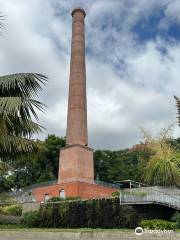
<point>77,106</point>
<point>76,159</point>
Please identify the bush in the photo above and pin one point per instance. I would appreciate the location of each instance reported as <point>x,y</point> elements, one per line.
<point>55,199</point>
<point>176,219</point>
<point>6,198</point>
<point>96,213</point>
<point>72,198</point>
<point>15,210</point>
<point>31,219</point>
<point>157,224</point>
<point>58,199</point>
<point>115,194</point>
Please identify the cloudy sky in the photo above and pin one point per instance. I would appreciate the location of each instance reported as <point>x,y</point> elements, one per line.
<point>132,58</point>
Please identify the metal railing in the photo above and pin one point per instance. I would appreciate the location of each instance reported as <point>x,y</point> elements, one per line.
<point>150,197</point>
<point>41,184</point>
<point>107,184</point>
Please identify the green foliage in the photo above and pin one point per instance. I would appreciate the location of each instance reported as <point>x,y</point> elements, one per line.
<point>6,198</point>
<point>49,158</point>
<point>96,213</point>
<point>72,198</point>
<point>58,199</point>
<point>163,167</point>
<point>157,224</point>
<point>109,165</point>
<point>115,194</point>
<point>55,199</point>
<point>14,210</point>
<point>31,219</point>
<point>40,167</point>
<point>176,219</point>
<point>119,165</point>
<point>17,107</point>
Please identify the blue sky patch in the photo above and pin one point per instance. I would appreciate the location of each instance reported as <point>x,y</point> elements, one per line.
<point>147,28</point>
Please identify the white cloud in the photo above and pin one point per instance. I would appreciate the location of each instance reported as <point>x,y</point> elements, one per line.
<point>129,84</point>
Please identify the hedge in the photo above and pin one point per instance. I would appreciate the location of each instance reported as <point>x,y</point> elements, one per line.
<point>96,213</point>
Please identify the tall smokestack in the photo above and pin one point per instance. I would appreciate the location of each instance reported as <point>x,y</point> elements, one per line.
<point>76,159</point>
<point>77,106</point>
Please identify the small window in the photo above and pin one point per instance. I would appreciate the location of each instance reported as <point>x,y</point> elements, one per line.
<point>62,193</point>
<point>46,197</point>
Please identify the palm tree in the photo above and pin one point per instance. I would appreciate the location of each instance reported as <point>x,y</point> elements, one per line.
<point>178,108</point>
<point>18,106</point>
<point>163,167</point>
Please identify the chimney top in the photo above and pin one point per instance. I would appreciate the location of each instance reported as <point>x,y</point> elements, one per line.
<point>78,9</point>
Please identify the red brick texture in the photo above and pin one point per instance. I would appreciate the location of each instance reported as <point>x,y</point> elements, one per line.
<point>77,106</point>
<point>74,189</point>
<point>76,164</point>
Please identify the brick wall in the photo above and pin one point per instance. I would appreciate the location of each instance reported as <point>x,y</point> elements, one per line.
<point>83,190</point>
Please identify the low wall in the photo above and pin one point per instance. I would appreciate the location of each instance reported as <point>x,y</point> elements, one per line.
<point>30,235</point>
<point>27,207</point>
<point>9,219</point>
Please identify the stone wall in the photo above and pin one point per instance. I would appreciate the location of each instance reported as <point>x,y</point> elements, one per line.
<point>30,235</point>
<point>9,219</point>
<point>27,207</point>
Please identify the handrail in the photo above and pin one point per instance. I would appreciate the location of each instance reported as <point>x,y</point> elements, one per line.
<point>153,196</point>
<point>154,190</point>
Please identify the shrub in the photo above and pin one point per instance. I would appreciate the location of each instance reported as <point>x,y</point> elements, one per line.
<point>157,224</point>
<point>115,194</point>
<point>31,219</point>
<point>55,199</point>
<point>6,198</point>
<point>176,219</point>
<point>15,210</point>
<point>72,198</point>
<point>58,199</point>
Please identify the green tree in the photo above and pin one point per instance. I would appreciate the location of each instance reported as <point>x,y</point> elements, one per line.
<point>120,165</point>
<point>39,167</point>
<point>48,160</point>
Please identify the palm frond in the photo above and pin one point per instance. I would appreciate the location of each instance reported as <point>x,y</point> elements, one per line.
<point>11,146</point>
<point>19,127</point>
<point>163,167</point>
<point>24,85</point>
<point>178,108</point>
<point>1,22</point>
<point>17,107</point>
